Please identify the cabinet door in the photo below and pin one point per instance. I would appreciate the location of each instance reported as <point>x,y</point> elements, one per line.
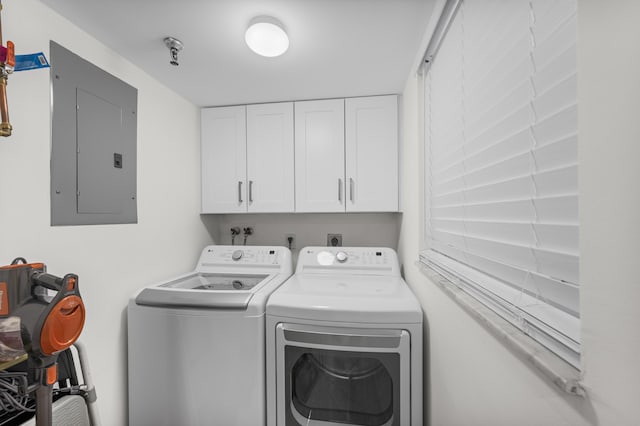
<point>319,143</point>
<point>270,157</point>
<point>371,141</point>
<point>223,156</point>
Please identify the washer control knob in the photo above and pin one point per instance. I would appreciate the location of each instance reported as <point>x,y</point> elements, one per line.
<point>237,255</point>
<point>341,256</point>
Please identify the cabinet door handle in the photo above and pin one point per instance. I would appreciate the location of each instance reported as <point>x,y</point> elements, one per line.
<point>240,191</point>
<point>340,190</point>
<point>351,189</point>
<point>251,191</point>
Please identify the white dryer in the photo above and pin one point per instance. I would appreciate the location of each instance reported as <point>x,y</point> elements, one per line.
<point>197,342</point>
<point>344,342</point>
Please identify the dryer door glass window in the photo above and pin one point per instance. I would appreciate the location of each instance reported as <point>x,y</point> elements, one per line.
<point>358,388</point>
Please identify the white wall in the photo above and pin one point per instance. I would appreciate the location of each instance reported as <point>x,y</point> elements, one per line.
<point>112,261</point>
<point>311,229</point>
<point>473,379</point>
<point>609,150</point>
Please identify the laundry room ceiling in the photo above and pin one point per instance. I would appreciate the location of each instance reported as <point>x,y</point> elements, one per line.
<point>338,48</point>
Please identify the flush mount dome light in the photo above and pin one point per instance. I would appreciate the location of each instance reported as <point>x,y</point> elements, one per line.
<point>266,37</point>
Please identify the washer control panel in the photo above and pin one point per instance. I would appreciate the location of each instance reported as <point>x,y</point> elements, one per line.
<point>363,259</point>
<point>238,256</point>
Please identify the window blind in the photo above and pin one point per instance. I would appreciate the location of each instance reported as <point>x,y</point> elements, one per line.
<point>501,165</point>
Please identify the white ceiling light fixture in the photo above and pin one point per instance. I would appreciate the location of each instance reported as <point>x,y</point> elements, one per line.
<point>266,36</point>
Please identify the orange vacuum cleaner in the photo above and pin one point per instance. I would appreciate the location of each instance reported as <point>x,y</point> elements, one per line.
<point>51,315</point>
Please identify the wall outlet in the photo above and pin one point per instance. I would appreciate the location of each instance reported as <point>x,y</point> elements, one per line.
<point>290,241</point>
<point>334,240</point>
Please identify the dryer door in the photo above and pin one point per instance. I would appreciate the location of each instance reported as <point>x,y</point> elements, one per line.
<point>328,375</point>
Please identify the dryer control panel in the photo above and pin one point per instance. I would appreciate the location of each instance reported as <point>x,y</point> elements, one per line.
<point>362,260</point>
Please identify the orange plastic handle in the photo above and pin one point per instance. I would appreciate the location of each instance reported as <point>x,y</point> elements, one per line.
<point>11,54</point>
<point>52,374</point>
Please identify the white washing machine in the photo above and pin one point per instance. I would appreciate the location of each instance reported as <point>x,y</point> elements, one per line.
<point>344,342</point>
<point>197,342</point>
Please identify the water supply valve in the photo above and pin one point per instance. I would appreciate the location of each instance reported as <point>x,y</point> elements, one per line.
<point>10,62</point>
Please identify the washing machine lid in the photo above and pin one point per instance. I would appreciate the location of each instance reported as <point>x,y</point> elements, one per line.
<point>347,298</point>
<point>205,290</point>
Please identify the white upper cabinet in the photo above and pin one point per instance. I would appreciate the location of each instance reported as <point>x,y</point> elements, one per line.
<point>223,156</point>
<point>345,157</point>
<point>270,178</point>
<point>371,146</point>
<point>247,159</point>
<point>319,164</point>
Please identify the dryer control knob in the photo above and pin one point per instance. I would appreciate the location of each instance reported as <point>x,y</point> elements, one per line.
<point>341,256</point>
<point>237,255</point>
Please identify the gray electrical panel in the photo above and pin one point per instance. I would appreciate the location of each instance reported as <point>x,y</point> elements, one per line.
<point>93,147</point>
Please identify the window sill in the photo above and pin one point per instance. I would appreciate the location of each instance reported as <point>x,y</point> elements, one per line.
<point>562,374</point>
